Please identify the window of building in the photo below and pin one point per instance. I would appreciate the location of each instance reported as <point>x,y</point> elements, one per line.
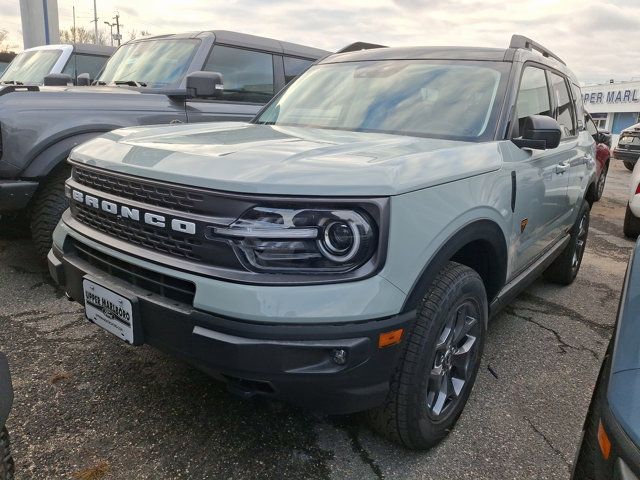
<point>564,111</point>
<point>247,75</point>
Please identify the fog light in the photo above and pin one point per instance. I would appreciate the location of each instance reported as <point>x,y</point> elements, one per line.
<point>339,356</point>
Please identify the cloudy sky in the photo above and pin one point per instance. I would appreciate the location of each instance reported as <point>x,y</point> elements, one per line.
<point>599,39</point>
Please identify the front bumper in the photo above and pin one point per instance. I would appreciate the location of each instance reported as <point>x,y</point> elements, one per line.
<point>624,461</point>
<point>625,155</point>
<point>6,391</point>
<point>291,362</point>
<point>15,194</point>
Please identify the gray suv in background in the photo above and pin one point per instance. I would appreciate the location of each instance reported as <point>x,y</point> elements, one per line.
<point>184,78</point>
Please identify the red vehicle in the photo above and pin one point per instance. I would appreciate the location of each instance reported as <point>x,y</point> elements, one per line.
<point>603,154</point>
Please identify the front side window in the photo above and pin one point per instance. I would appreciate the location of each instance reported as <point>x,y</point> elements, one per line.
<point>564,111</point>
<point>247,76</point>
<point>533,95</point>
<point>82,63</point>
<point>150,63</point>
<point>30,68</point>
<point>456,100</point>
<point>591,127</point>
<point>294,67</point>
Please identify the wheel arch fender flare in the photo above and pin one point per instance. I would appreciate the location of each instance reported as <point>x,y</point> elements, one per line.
<point>486,231</point>
<point>53,155</point>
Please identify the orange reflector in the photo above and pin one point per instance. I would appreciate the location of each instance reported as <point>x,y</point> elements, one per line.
<point>603,440</point>
<point>390,338</point>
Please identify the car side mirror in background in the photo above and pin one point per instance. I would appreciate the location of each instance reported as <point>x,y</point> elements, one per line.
<point>83,80</point>
<point>204,84</point>
<point>539,132</point>
<point>57,80</point>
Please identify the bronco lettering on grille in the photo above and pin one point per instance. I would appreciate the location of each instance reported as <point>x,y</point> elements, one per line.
<point>130,213</point>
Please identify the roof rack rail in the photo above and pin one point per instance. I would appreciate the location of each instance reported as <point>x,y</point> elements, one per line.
<point>354,47</point>
<point>520,41</point>
<point>4,89</point>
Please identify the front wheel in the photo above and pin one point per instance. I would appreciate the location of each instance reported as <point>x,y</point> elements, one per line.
<point>631,226</point>
<point>439,361</point>
<point>565,268</point>
<point>48,206</point>
<point>629,165</point>
<point>6,461</point>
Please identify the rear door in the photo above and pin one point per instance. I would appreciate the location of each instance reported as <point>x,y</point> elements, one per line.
<point>249,79</point>
<point>541,210</point>
<point>575,150</point>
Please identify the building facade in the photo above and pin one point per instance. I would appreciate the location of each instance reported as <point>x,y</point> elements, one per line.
<point>614,106</point>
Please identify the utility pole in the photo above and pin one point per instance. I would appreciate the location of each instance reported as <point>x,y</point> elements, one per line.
<point>95,22</point>
<point>74,24</point>
<point>117,19</point>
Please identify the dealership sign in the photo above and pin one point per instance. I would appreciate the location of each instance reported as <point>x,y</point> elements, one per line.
<point>613,96</point>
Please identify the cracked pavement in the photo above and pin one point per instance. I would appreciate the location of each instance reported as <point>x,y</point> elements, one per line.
<point>84,400</point>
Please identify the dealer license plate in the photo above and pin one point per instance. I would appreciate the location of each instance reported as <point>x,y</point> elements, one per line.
<point>109,310</point>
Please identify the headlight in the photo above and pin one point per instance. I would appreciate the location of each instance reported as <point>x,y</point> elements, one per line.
<point>308,240</point>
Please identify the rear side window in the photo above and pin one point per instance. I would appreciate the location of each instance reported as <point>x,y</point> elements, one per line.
<point>247,75</point>
<point>564,112</point>
<point>533,95</point>
<point>579,105</point>
<point>80,63</point>
<point>294,67</point>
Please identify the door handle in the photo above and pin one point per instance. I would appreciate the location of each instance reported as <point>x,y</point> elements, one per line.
<point>562,167</point>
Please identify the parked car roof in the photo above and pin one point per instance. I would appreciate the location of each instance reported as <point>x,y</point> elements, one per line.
<point>249,41</point>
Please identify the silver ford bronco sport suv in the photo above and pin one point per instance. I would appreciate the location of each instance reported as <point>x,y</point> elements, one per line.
<point>344,250</point>
<point>162,79</point>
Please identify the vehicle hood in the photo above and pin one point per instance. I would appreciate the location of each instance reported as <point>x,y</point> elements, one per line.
<point>249,158</point>
<point>73,98</point>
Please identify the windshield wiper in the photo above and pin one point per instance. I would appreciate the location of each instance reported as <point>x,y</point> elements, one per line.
<point>131,83</point>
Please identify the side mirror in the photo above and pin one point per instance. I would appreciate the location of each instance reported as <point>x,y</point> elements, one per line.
<point>83,80</point>
<point>57,80</point>
<point>539,132</point>
<point>204,84</point>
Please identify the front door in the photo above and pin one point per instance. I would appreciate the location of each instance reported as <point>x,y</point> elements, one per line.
<point>541,210</point>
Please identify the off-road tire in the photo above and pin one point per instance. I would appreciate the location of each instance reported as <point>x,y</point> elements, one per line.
<point>6,461</point>
<point>405,416</point>
<point>48,205</point>
<point>598,188</point>
<point>631,226</point>
<point>629,165</point>
<point>14,226</point>
<point>565,268</point>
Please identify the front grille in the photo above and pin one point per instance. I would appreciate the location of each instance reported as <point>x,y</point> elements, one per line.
<point>169,287</point>
<point>164,241</point>
<point>151,193</point>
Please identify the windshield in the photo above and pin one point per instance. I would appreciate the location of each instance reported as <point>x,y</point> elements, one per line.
<point>151,63</point>
<point>30,68</point>
<point>411,97</point>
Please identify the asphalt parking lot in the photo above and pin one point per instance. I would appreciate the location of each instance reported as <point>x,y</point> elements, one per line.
<point>89,406</point>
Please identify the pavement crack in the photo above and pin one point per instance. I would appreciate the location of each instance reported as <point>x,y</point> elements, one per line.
<point>550,308</point>
<point>351,429</point>
<point>562,344</point>
<point>546,440</point>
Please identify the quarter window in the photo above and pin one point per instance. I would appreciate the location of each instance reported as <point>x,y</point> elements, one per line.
<point>564,111</point>
<point>533,95</point>
<point>247,75</point>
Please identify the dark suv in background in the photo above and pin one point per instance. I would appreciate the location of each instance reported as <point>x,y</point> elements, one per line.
<point>185,78</point>
<point>628,147</point>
